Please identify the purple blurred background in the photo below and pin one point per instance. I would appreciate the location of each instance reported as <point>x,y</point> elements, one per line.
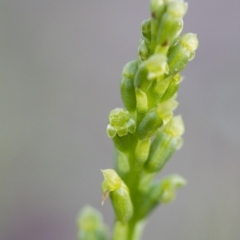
<point>61,63</point>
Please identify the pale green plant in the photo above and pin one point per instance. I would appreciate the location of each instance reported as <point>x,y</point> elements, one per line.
<point>145,133</point>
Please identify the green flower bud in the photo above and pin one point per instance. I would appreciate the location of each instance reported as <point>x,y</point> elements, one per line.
<point>120,122</point>
<point>146,29</point>
<point>150,123</point>
<point>90,225</point>
<point>141,153</point>
<point>140,79</point>
<point>128,93</point>
<point>169,186</point>
<point>142,101</point>
<point>157,8</point>
<point>119,195</point>
<point>182,52</point>
<point>130,69</point>
<point>169,30</point>
<point>172,88</point>
<point>162,148</point>
<point>122,203</point>
<point>156,66</point>
<point>143,52</point>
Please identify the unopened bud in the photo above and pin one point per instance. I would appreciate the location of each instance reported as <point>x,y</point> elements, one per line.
<point>172,87</point>
<point>182,52</point>
<point>119,195</point>
<point>162,148</point>
<point>157,8</point>
<point>148,126</point>
<point>128,93</point>
<point>169,30</point>
<point>146,28</point>
<point>143,51</point>
<point>122,203</point>
<point>130,69</point>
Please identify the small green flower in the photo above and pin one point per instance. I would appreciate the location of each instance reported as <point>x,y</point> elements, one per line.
<point>120,123</point>
<point>119,194</point>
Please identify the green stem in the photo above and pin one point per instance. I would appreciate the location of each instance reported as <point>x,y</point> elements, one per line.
<point>135,229</point>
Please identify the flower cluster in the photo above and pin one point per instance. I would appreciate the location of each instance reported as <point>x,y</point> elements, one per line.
<point>146,133</point>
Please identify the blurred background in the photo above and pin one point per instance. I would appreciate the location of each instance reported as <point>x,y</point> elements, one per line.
<point>60,67</point>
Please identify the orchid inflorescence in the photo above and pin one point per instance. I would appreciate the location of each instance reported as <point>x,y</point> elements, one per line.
<point>145,133</point>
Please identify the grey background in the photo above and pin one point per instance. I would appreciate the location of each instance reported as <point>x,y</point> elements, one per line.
<point>60,67</point>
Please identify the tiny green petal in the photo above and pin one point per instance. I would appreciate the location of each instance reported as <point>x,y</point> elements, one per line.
<point>157,66</point>
<point>111,180</point>
<point>131,125</point>
<point>176,127</point>
<point>111,132</point>
<point>190,41</point>
<point>177,8</point>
